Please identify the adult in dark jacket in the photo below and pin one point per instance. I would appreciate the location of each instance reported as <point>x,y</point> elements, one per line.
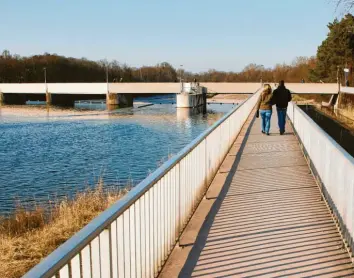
<point>281,97</point>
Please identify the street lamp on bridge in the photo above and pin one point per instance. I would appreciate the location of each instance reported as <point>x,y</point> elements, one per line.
<point>45,79</point>
<point>346,73</point>
<point>180,74</point>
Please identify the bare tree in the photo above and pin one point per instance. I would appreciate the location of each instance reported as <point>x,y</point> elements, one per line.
<point>347,5</point>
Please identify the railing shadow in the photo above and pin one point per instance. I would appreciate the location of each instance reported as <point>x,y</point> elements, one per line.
<point>279,225</point>
<point>201,240</point>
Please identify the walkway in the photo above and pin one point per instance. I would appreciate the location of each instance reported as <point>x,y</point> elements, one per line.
<point>268,221</point>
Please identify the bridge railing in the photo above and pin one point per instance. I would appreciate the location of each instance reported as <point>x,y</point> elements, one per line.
<point>347,90</point>
<point>134,237</point>
<point>332,165</point>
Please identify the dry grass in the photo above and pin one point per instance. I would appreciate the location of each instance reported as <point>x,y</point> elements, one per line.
<point>29,236</point>
<point>310,98</point>
<point>346,106</point>
<point>348,113</point>
<point>345,112</point>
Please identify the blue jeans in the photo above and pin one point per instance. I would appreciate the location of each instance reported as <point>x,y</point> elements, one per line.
<point>281,119</point>
<point>266,116</point>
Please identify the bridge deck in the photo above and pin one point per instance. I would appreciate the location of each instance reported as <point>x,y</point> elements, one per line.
<point>269,219</point>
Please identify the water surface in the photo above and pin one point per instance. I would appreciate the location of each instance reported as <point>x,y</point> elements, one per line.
<point>50,155</point>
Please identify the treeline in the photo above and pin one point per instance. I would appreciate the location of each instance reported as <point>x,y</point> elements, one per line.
<point>17,69</point>
<point>334,54</point>
<point>297,71</point>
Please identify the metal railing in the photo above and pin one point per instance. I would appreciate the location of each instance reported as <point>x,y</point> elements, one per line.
<point>347,90</point>
<point>191,88</point>
<point>134,237</point>
<point>332,164</point>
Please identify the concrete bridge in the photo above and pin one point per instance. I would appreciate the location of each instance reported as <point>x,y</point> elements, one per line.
<point>122,93</point>
<point>233,202</point>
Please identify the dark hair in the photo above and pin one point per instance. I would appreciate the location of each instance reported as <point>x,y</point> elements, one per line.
<point>281,82</point>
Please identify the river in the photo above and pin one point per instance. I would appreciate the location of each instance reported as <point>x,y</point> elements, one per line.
<point>45,155</point>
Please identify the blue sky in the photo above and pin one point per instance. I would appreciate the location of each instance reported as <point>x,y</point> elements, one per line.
<point>199,34</point>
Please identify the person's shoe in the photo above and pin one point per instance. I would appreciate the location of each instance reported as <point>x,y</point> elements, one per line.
<point>263,132</point>
<point>268,133</point>
<point>282,132</point>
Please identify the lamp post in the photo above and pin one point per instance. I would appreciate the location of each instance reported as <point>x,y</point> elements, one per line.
<point>45,79</point>
<point>346,73</point>
<point>180,76</point>
<point>262,66</point>
<point>107,65</point>
<point>48,96</point>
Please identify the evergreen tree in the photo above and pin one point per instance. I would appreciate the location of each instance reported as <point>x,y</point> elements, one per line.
<point>335,51</point>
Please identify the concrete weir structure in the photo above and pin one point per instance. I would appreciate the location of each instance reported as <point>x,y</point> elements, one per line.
<point>191,95</point>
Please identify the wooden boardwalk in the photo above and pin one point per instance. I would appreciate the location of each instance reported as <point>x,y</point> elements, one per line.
<point>270,220</point>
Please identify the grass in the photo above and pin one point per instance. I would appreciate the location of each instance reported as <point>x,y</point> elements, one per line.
<point>310,98</point>
<point>346,106</point>
<point>27,237</point>
<point>211,95</point>
<point>344,114</point>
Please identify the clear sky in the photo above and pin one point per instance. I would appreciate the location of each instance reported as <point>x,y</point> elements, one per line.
<point>199,34</point>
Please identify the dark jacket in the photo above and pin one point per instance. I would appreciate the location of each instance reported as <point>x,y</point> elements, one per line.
<point>281,97</point>
<point>265,101</point>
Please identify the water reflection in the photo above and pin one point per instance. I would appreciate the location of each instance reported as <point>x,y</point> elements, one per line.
<point>47,153</point>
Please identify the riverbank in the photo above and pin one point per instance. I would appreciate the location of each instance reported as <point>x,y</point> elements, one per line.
<point>346,106</point>
<point>228,98</point>
<point>310,98</point>
<point>35,111</point>
<point>344,114</point>
<point>343,134</point>
<point>343,117</point>
<point>28,236</point>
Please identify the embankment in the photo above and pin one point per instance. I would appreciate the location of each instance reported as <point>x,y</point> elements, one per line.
<point>27,237</point>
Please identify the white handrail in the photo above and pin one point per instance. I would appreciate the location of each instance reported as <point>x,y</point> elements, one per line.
<point>333,165</point>
<point>134,236</point>
<point>347,90</point>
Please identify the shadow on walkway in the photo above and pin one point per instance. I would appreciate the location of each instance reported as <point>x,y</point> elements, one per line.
<point>269,219</point>
<point>201,240</point>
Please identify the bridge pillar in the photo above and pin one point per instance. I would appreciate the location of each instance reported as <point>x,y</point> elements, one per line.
<point>119,100</point>
<point>2,101</point>
<point>204,93</point>
<point>48,98</point>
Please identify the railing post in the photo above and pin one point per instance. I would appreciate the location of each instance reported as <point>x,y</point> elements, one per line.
<point>179,224</point>
<point>205,165</point>
<point>293,115</point>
